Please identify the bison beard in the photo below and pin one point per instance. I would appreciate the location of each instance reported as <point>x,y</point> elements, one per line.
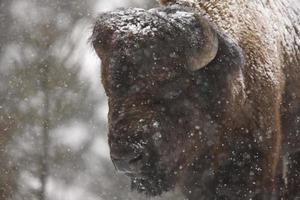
<point>153,183</point>
<point>189,107</point>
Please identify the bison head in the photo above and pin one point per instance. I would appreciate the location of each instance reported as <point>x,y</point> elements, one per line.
<point>164,101</point>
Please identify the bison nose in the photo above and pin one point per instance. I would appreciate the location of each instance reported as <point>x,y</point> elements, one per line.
<point>128,165</point>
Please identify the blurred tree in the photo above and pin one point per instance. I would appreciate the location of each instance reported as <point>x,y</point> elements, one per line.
<point>7,121</point>
<point>45,90</point>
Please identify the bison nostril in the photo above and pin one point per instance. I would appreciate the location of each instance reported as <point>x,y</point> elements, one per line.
<point>128,166</point>
<point>121,165</point>
<point>136,159</point>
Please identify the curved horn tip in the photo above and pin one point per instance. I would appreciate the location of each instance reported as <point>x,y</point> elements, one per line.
<point>205,56</point>
<point>206,50</point>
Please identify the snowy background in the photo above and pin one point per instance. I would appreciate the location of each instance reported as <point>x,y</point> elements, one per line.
<point>53,142</point>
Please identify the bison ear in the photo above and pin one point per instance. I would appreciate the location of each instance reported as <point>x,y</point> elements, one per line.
<point>230,55</point>
<point>229,64</point>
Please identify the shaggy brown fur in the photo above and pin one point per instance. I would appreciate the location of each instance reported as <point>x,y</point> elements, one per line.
<point>215,128</point>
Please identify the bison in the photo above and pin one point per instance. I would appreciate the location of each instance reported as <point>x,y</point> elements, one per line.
<point>204,96</point>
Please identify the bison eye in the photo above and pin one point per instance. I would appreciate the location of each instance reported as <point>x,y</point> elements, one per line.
<point>157,101</point>
<point>173,94</point>
<point>173,89</point>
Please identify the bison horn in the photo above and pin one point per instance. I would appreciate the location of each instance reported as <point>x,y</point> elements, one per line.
<point>204,51</point>
<point>201,39</point>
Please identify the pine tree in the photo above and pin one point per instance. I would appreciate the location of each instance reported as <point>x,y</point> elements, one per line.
<point>43,90</point>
